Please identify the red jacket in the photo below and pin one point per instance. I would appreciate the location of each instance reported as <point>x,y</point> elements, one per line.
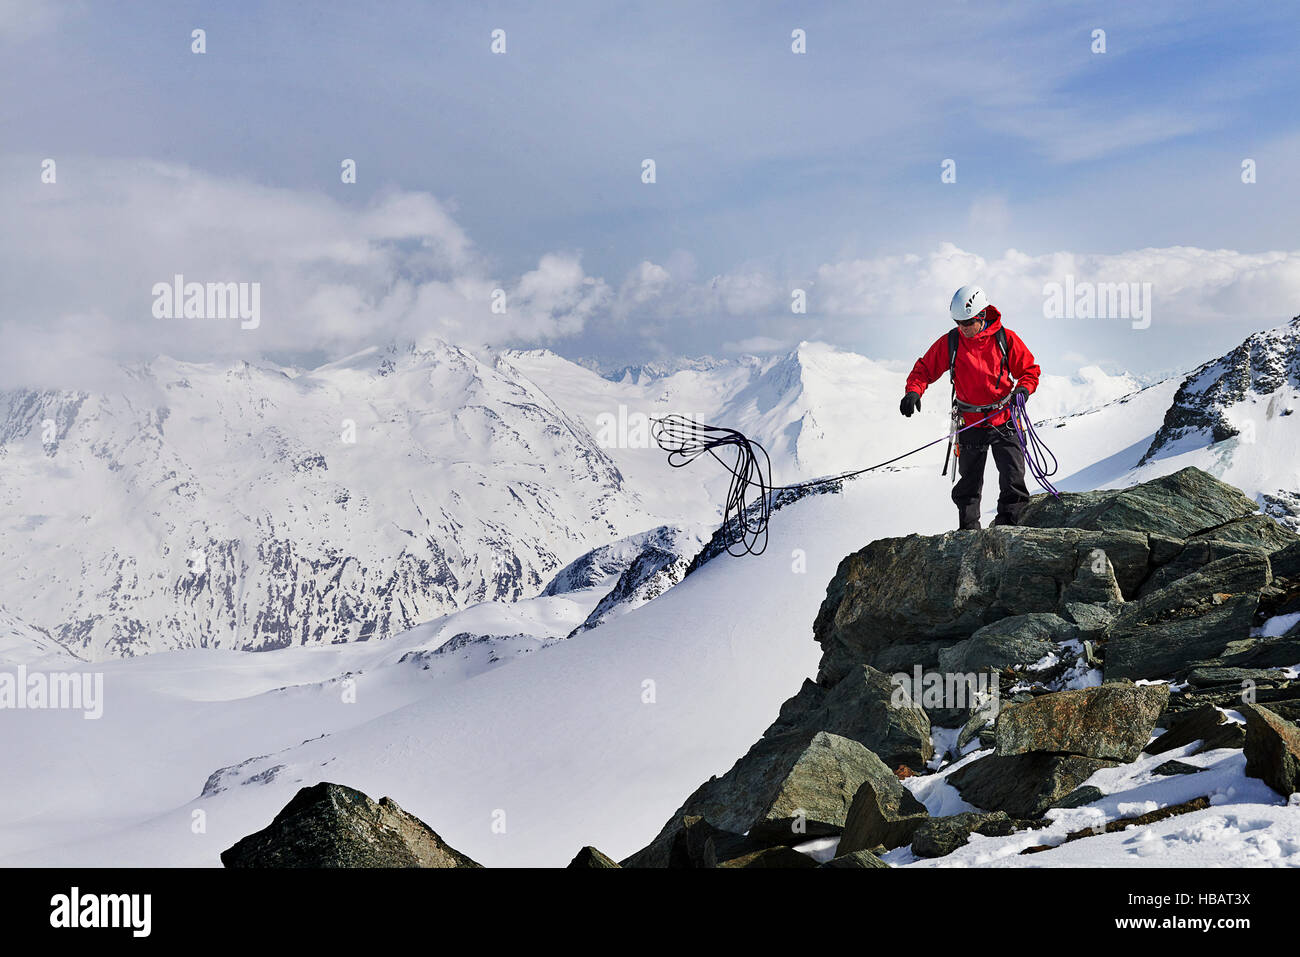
<point>980,378</point>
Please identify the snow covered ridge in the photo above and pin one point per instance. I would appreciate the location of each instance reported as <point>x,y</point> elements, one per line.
<point>244,507</point>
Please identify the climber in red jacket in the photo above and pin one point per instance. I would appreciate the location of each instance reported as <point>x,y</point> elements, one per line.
<point>990,365</point>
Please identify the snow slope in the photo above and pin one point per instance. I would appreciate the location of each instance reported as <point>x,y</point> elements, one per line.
<point>562,740</point>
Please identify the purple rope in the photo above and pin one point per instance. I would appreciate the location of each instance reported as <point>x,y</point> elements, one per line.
<point>1033,448</point>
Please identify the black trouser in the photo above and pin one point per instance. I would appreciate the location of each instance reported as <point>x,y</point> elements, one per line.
<point>1013,494</point>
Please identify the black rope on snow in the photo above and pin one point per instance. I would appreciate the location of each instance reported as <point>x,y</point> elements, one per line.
<point>685,440</point>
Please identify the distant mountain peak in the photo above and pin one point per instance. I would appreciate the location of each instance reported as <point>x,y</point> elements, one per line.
<point>1264,363</point>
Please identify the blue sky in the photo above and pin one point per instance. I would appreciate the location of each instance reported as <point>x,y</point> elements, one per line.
<point>773,170</point>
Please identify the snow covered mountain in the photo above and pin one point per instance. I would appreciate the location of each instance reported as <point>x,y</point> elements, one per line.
<point>663,368</point>
<point>1266,365</point>
<point>258,507</point>
<point>1235,418</point>
<point>255,508</point>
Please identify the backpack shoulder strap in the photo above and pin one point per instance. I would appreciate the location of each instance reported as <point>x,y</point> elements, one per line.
<point>952,352</point>
<point>1001,336</point>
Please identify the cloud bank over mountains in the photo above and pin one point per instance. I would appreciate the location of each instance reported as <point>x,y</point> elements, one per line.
<point>80,258</point>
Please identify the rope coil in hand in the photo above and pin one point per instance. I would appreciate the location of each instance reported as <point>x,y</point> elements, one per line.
<point>1034,449</point>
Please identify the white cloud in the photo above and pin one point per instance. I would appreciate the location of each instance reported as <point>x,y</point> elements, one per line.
<point>758,345</point>
<point>81,257</point>
<point>1188,284</point>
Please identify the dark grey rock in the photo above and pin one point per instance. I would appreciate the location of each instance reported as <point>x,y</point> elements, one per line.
<point>1014,640</point>
<point>940,836</point>
<point>785,789</point>
<point>866,706</point>
<point>1272,749</point>
<point>796,709</point>
<point>917,591</point>
<point>1211,676</point>
<point>883,812</point>
<point>699,844</point>
<point>591,858</point>
<point>1164,549</point>
<point>1023,785</point>
<point>1196,617</point>
<point>1094,580</point>
<point>329,825</point>
<point>1255,530</point>
<point>1286,562</point>
<point>1170,768</point>
<point>1194,557</point>
<point>1206,724</point>
<point>1264,652</point>
<point>1091,620</point>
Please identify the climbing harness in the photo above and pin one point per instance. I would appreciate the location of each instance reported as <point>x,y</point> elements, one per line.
<point>954,446</point>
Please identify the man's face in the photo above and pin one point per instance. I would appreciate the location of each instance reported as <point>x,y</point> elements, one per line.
<point>973,325</point>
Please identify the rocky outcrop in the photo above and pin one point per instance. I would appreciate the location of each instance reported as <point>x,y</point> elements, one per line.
<point>925,592</point>
<point>329,825</point>
<point>1197,616</point>
<point>1166,583</point>
<point>591,859</point>
<point>1173,505</point>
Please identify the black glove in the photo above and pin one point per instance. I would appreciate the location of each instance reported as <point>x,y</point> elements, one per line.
<point>1020,391</point>
<point>911,403</point>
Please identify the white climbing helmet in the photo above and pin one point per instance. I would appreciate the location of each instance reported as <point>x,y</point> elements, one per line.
<point>968,301</point>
